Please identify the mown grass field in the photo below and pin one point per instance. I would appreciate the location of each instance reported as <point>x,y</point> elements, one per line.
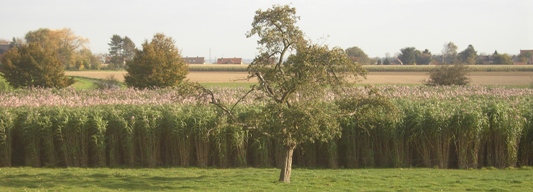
<point>255,179</point>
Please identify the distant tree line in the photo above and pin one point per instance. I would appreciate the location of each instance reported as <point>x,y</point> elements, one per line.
<point>74,54</point>
<point>449,55</point>
<point>147,69</point>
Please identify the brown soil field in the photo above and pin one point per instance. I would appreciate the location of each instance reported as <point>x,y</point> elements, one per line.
<point>381,78</point>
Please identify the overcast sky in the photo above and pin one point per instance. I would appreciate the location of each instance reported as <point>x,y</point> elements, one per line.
<point>198,26</point>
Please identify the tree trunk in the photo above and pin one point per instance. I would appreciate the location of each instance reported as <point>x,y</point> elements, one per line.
<point>285,174</point>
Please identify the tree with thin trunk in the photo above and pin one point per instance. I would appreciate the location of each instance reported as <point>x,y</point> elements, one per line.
<point>294,78</point>
<point>295,85</point>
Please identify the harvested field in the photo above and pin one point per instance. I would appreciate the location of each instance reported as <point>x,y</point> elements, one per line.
<point>478,78</point>
<point>382,78</point>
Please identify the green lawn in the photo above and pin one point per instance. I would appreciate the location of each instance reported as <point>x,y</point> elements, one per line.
<point>83,83</point>
<point>255,179</point>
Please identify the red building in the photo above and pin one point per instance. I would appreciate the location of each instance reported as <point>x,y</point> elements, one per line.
<point>229,60</point>
<point>194,60</point>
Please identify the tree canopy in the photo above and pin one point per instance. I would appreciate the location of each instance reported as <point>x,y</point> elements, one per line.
<point>468,56</point>
<point>423,58</point>
<point>358,55</point>
<point>294,76</point>
<point>449,53</point>
<point>121,50</point>
<point>32,65</point>
<point>63,41</point>
<point>386,61</point>
<point>128,48</point>
<point>157,65</point>
<point>408,55</point>
<point>501,59</point>
<point>115,51</point>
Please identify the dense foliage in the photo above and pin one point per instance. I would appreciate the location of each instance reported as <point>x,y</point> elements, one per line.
<point>446,75</point>
<point>32,65</point>
<point>408,56</point>
<point>121,50</point>
<point>4,85</point>
<point>358,55</point>
<point>502,59</point>
<point>71,49</point>
<point>157,65</point>
<point>447,127</point>
<point>468,56</point>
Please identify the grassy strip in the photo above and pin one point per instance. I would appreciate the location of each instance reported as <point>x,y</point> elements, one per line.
<point>87,83</point>
<point>84,83</point>
<point>252,179</point>
<point>383,68</point>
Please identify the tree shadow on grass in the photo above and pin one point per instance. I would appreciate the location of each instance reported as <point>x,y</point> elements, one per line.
<point>114,181</point>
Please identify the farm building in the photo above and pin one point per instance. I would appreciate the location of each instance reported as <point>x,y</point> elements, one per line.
<point>529,56</point>
<point>194,60</point>
<point>229,60</point>
<point>485,59</point>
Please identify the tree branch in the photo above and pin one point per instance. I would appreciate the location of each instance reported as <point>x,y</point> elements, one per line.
<point>242,98</point>
<point>266,85</point>
<point>217,103</point>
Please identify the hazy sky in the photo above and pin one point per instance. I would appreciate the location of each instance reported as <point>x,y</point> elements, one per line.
<point>376,26</point>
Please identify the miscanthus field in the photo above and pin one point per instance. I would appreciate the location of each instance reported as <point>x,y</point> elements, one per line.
<point>443,127</point>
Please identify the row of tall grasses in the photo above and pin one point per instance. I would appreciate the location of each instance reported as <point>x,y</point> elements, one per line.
<point>382,68</point>
<point>435,127</point>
